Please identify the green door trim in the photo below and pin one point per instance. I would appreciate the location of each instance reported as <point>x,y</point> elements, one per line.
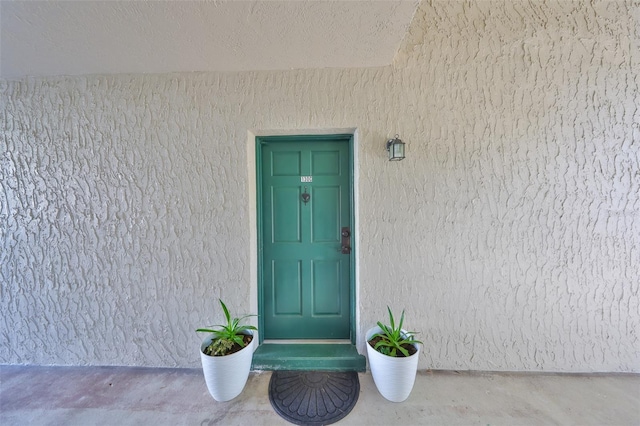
<point>260,142</point>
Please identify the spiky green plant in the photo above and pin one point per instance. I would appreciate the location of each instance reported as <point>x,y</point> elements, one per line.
<point>392,338</point>
<point>226,335</point>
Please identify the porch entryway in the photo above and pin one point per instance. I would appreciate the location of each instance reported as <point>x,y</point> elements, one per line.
<point>160,396</point>
<point>306,291</point>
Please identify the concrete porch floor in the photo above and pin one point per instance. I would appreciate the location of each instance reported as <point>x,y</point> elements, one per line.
<point>149,396</point>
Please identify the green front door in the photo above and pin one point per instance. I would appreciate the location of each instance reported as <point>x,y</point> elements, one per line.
<point>305,206</point>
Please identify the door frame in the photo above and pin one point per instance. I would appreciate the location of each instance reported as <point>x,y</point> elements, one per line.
<point>259,141</point>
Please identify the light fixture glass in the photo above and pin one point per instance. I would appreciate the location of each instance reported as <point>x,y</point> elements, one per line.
<point>396,149</point>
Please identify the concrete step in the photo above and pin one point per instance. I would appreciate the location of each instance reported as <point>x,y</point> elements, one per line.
<point>319,357</point>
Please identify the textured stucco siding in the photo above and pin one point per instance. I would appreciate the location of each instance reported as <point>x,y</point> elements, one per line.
<point>510,233</point>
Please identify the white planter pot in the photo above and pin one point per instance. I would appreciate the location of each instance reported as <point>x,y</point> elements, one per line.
<point>394,377</point>
<point>226,375</point>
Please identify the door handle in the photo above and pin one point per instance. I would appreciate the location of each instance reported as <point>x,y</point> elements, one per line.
<point>345,233</point>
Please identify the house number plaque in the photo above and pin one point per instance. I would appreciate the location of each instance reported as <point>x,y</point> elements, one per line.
<point>306,178</point>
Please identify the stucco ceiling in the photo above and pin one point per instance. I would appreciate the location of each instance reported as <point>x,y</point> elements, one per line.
<point>103,37</point>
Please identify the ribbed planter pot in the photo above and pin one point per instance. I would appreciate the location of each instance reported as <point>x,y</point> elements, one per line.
<point>226,375</point>
<point>394,377</point>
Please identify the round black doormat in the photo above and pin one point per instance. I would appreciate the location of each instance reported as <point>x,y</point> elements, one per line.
<point>313,397</point>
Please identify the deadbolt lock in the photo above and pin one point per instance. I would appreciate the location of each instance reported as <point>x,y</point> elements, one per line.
<point>346,240</point>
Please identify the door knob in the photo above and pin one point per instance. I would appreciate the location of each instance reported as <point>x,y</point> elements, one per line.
<point>346,240</point>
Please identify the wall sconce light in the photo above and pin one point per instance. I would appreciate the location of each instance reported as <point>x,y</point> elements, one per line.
<point>396,149</point>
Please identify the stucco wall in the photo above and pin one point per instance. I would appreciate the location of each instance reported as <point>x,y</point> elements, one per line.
<point>510,234</point>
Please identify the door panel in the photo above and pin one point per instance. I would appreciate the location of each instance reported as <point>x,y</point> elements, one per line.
<point>325,214</point>
<point>306,285</point>
<point>285,205</point>
<point>326,287</point>
<point>285,164</point>
<point>287,287</point>
<point>325,163</point>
